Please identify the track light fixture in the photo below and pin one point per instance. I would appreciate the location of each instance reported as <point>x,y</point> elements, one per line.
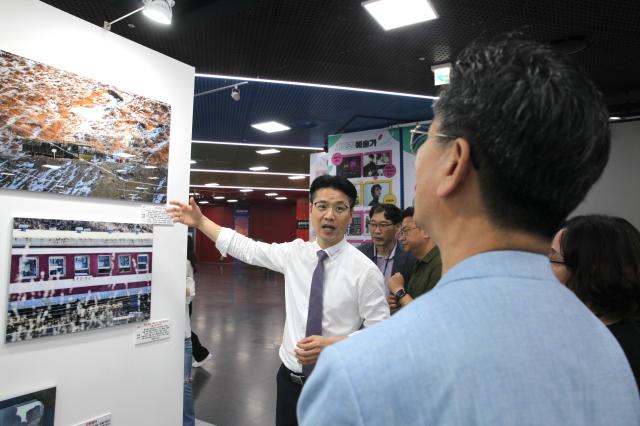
<point>157,10</point>
<point>235,94</point>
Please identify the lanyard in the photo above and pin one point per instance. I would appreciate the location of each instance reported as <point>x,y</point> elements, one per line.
<point>386,263</point>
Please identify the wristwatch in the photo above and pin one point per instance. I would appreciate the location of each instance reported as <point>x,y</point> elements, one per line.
<point>400,294</point>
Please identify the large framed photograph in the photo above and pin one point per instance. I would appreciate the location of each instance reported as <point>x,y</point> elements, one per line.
<point>62,133</point>
<point>32,409</point>
<point>69,276</point>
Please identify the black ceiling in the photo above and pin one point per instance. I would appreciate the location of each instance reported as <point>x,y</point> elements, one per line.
<point>337,42</point>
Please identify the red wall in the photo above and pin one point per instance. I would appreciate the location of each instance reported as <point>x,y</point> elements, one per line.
<point>302,213</point>
<point>271,223</point>
<point>205,249</point>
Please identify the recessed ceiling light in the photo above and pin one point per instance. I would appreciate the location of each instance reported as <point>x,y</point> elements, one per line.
<point>615,118</point>
<point>246,190</point>
<point>211,184</point>
<point>154,178</point>
<point>219,197</point>
<point>296,177</point>
<point>192,193</point>
<point>203,202</point>
<point>232,201</point>
<point>52,167</point>
<point>281,198</point>
<point>270,127</point>
<point>140,187</point>
<point>392,14</point>
<point>271,194</point>
<point>121,171</point>
<point>268,151</point>
<point>193,161</point>
<point>150,167</point>
<point>258,168</point>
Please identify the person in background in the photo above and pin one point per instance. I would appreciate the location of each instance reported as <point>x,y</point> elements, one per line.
<point>520,134</point>
<point>200,353</point>
<point>427,269</point>
<point>383,249</point>
<point>331,289</point>
<point>598,258</point>
<point>188,412</point>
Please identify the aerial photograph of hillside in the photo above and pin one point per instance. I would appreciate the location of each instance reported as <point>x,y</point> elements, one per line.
<point>66,134</point>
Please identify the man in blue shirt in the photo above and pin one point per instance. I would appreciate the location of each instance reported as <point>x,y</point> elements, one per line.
<point>519,137</point>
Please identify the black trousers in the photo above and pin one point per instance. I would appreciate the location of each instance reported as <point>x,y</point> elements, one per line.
<point>199,351</point>
<point>287,399</point>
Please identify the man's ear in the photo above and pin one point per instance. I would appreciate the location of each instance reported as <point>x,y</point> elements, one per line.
<point>457,165</point>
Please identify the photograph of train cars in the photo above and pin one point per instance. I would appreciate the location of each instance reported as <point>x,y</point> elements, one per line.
<point>66,134</point>
<point>70,276</point>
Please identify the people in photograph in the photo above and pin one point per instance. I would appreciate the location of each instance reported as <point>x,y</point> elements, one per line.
<point>384,249</point>
<point>598,258</point>
<point>331,289</point>
<point>427,269</point>
<point>371,168</point>
<point>376,191</point>
<point>519,136</point>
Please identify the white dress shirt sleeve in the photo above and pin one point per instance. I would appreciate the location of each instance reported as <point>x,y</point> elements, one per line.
<point>272,256</point>
<point>372,302</point>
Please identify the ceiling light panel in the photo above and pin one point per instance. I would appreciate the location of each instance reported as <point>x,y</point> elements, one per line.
<point>268,151</point>
<point>392,14</point>
<point>270,127</point>
<point>258,168</point>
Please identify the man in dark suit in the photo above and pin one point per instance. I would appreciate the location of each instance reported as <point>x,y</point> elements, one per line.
<point>384,250</point>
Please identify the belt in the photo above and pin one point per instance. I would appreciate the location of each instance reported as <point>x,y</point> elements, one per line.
<point>296,378</point>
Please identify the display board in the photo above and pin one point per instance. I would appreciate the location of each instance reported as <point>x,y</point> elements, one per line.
<point>69,276</point>
<point>66,134</point>
<point>371,161</point>
<point>103,368</point>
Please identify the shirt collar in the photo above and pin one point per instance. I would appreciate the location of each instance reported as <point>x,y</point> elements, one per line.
<point>503,263</point>
<point>432,254</point>
<point>392,252</point>
<point>334,250</point>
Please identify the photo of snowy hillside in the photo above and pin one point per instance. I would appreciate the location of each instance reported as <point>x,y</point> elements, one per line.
<point>65,134</point>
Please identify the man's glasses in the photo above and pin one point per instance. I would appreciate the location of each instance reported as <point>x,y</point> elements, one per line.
<point>323,206</point>
<point>381,226</point>
<point>405,231</point>
<point>419,136</point>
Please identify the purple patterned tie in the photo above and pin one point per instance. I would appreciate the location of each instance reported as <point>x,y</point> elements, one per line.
<point>314,315</point>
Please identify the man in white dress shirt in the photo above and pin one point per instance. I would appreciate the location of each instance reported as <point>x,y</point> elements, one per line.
<point>353,294</point>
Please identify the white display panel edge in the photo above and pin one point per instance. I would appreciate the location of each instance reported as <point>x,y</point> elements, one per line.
<point>102,371</point>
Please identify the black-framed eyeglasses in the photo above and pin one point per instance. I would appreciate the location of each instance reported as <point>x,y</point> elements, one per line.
<point>323,206</point>
<point>420,134</point>
<point>381,226</point>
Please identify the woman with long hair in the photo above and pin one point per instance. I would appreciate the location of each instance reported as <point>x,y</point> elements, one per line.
<point>598,258</point>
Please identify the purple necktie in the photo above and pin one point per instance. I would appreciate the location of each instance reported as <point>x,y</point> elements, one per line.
<point>314,315</point>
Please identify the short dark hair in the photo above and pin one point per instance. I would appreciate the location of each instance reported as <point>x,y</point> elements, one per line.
<point>374,187</point>
<point>537,126</point>
<point>391,212</point>
<point>338,183</point>
<point>408,212</point>
<point>602,254</point>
